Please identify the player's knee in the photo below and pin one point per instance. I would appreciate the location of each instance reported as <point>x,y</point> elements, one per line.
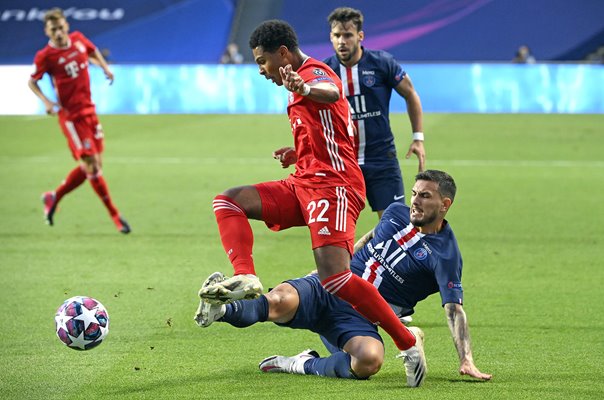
<point>282,303</point>
<point>368,362</point>
<point>245,198</point>
<point>91,166</point>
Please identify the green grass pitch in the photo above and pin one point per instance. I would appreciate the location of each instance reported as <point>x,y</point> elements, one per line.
<point>529,217</point>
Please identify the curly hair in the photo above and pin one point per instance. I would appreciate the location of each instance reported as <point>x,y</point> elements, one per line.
<point>273,34</point>
<point>344,15</point>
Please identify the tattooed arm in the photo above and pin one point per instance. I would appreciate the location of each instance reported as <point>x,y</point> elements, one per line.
<point>458,324</point>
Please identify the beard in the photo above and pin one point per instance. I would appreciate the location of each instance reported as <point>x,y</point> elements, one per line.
<point>353,51</point>
<point>426,220</point>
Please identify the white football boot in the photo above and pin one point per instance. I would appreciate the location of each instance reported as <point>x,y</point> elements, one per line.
<point>288,365</point>
<point>414,359</point>
<point>208,312</point>
<point>239,287</point>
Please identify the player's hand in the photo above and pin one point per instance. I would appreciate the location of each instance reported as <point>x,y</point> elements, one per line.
<point>286,156</point>
<point>468,368</point>
<point>291,80</point>
<point>417,148</point>
<point>109,75</point>
<point>51,107</point>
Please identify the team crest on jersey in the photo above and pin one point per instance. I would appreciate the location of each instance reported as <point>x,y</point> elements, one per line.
<point>318,71</point>
<point>61,60</point>
<point>80,47</point>
<point>369,80</point>
<point>420,254</point>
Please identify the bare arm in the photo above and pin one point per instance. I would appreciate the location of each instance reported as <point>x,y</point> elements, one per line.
<point>363,241</point>
<point>98,59</point>
<point>414,109</point>
<point>50,106</point>
<point>321,92</point>
<point>458,325</point>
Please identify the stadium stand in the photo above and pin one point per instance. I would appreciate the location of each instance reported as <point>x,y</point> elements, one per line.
<point>197,31</point>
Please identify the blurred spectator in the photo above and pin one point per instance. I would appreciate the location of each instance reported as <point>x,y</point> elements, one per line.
<point>524,56</point>
<point>231,55</point>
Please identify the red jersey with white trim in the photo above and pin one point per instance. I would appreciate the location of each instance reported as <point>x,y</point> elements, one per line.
<point>68,68</point>
<point>323,136</point>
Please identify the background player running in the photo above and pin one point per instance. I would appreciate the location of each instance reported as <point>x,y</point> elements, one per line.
<point>65,59</point>
<point>368,78</point>
<point>411,254</point>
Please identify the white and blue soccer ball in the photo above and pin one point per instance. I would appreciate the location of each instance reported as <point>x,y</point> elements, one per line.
<point>82,323</point>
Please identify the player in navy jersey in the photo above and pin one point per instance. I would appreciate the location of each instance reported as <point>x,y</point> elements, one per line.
<point>368,78</point>
<point>411,254</point>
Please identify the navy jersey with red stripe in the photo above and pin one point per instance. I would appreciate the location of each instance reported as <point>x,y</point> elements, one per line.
<point>368,86</point>
<point>407,266</point>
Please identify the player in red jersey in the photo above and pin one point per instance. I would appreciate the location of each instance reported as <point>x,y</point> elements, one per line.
<point>326,193</point>
<point>65,59</point>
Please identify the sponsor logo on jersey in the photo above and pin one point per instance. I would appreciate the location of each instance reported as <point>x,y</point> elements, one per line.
<point>397,198</point>
<point>324,231</point>
<point>318,71</point>
<point>367,72</point>
<point>427,247</point>
<point>420,254</point>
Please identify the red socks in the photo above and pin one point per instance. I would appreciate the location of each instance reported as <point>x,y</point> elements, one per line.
<point>100,187</point>
<point>75,178</point>
<point>366,299</point>
<point>235,233</point>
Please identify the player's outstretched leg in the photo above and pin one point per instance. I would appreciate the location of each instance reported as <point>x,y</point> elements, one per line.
<point>414,359</point>
<point>51,199</point>
<point>121,224</point>
<point>50,206</point>
<point>288,365</point>
<point>239,287</point>
<point>99,185</point>
<point>208,312</point>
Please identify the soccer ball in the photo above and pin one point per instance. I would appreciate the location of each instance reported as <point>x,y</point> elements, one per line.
<point>82,323</point>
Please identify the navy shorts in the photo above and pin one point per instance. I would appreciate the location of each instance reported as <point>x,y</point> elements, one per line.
<point>384,185</point>
<point>327,315</point>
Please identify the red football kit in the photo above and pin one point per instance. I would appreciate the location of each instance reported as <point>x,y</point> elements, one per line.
<point>326,193</point>
<point>68,68</point>
<point>327,190</point>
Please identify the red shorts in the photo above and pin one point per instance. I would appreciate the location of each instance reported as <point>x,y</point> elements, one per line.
<point>330,213</point>
<point>84,134</point>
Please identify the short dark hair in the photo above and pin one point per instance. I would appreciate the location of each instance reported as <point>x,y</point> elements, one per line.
<point>446,184</point>
<point>273,34</point>
<point>346,14</point>
<point>54,14</point>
